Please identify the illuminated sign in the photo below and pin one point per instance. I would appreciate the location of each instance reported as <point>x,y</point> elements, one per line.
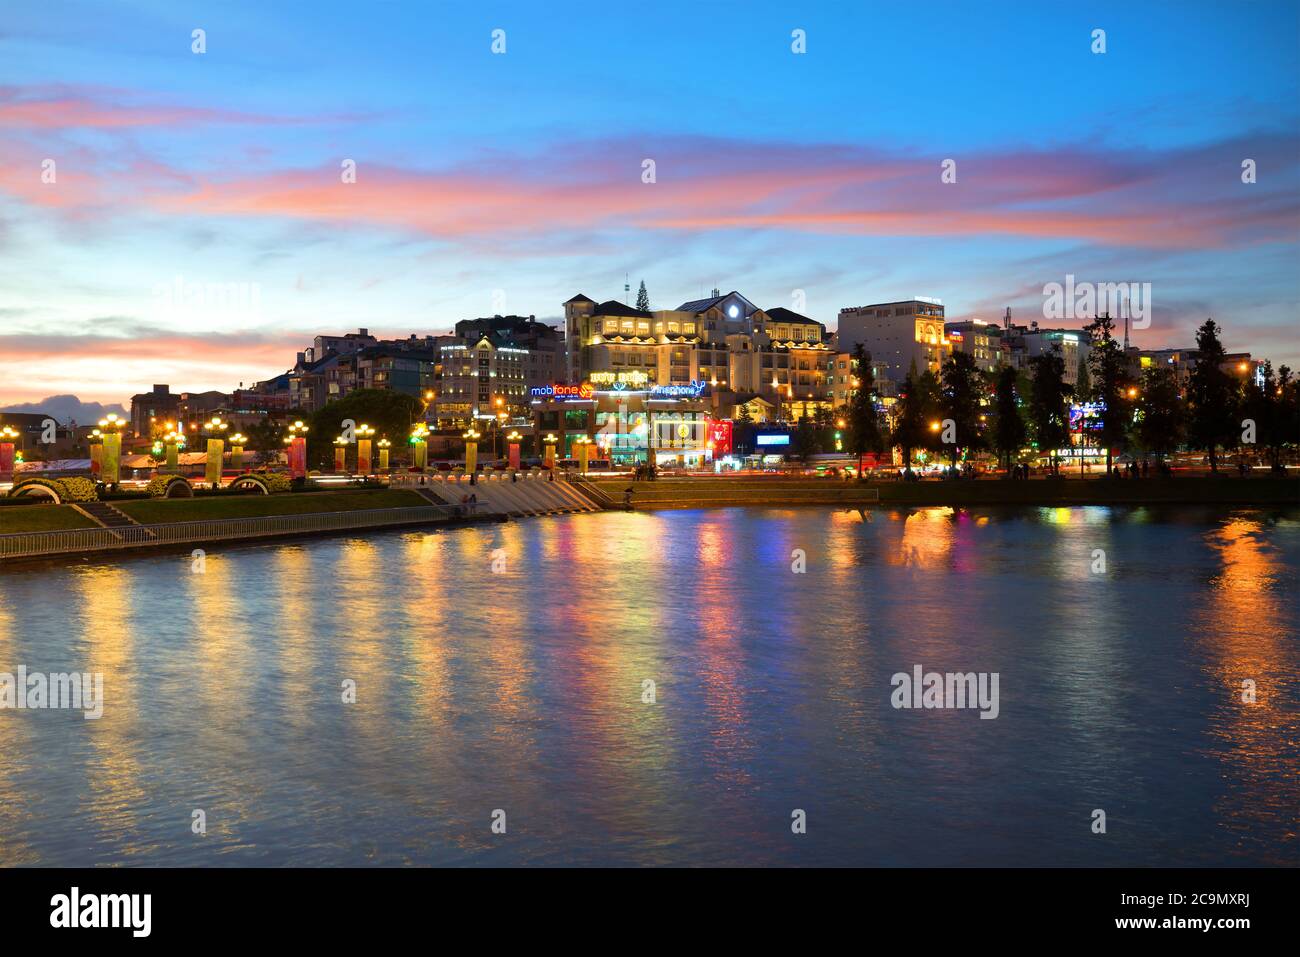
<point>620,378</point>
<point>1086,416</point>
<point>558,391</point>
<point>720,437</point>
<point>770,439</point>
<point>692,391</point>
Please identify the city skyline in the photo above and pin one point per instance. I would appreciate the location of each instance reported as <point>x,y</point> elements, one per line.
<point>474,196</point>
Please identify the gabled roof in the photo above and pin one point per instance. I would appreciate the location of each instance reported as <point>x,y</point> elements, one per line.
<point>781,314</point>
<point>615,308</point>
<point>580,298</point>
<point>700,305</point>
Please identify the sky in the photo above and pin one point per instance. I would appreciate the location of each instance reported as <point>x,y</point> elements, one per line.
<point>198,231</point>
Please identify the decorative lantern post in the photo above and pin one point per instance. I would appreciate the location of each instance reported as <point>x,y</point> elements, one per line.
<point>8,438</point>
<point>237,451</point>
<point>340,455</point>
<point>296,441</point>
<point>471,452</point>
<point>364,434</point>
<point>215,428</point>
<point>419,447</point>
<point>512,449</point>
<point>583,444</point>
<point>173,442</point>
<point>548,459</point>
<point>384,446</point>
<point>110,463</point>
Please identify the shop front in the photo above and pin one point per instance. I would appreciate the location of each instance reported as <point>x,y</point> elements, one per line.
<point>629,427</point>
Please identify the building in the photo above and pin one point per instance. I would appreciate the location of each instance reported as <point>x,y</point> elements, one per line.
<point>844,379</point>
<point>901,337</point>
<point>481,380</point>
<point>150,408</point>
<point>981,340</point>
<point>338,345</point>
<point>630,425</point>
<point>724,342</point>
<point>1027,342</point>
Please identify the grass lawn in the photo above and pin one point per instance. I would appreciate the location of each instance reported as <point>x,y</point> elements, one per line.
<point>159,511</point>
<point>41,518</point>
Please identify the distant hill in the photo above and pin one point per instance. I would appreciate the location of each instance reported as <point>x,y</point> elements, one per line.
<point>67,408</point>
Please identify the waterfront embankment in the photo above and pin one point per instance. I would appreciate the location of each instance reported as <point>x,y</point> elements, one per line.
<point>705,491</point>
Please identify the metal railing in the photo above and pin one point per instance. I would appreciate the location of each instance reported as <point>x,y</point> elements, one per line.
<point>28,544</point>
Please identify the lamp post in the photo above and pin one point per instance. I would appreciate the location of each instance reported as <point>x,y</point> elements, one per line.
<point>548,458</point>
<point>296,440</point>
<point>340,455</point>
<point>96,440</point>
<point>364,435</point>
<point>237,450</point>
<point>471,452</point>
<point>583,442</point>
<point>419,447</point>
<point>110,463</point>
<point>173,442</point>
<point>384,445</point>
<point>8,437</point>
<point>215,428</point>
<point>513,449</point>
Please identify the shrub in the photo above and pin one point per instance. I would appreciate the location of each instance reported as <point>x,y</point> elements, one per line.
<point>78,489</point>
<point>169,486</point>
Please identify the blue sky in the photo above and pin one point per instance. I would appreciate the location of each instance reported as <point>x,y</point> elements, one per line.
<point>515,179</point>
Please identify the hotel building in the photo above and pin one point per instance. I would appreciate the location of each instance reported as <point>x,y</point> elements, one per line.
<point>725,342</point>
<point>900,336</point>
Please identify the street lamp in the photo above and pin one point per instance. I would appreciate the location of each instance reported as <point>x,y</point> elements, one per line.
<point>296,439</point>
<point>548,459</point>
<point>340,455</point>
<point>384,446</point>
<point>583,442</point>
<point>512,448</point>
<point>110,463</point>
<point>364,434</point>
<point>471,438</point>
<point>8,437</point>
<point>215,428</point>
<point>237,450</point>
<point>173,442</point>
<point>419,442</point>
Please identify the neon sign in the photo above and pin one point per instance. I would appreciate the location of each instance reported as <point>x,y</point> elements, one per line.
<point>691,391</point>
<point>769,439</point>
<point>558,391</point>
<point>620,379</point>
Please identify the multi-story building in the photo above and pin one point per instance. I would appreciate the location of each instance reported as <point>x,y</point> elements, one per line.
<point>1026,342</point>
<point>979,339</point>
<point>481,380</point>
<point>724,342</point>
<point>148,409</point>
<point>338,345</point>
<point>901,336</point>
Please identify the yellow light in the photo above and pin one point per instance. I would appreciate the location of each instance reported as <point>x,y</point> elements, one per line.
<point>934,426</point>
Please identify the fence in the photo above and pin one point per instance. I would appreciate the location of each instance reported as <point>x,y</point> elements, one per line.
<point>28,544</point>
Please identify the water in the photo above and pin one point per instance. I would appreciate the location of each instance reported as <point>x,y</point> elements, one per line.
<point>522,691</point>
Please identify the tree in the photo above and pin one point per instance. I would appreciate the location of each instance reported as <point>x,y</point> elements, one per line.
<point>1160,413</point>
<point>863,418</point>
<point>962,387</point>
<point>804,441</point>
<point>917,404</point>
<point>1083,382</point>
<point>1212,396</point>
<point>1009,431</point>
<point>643,298</point>
<point>1049,416</point>
<point>389,413</point>
<point>1110,384</point>
<point>266,439</point>
<point>1267,405</point>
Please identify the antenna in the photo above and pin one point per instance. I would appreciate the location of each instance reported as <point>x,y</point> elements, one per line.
<point>627,286</point>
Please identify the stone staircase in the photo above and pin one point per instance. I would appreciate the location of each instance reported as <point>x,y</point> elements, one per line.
<point>106,515</point>
<point>531,494</point>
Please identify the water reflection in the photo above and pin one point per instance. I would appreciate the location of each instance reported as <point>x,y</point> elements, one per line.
<point>505,667</point>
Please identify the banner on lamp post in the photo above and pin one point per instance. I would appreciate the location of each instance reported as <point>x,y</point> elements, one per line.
<point>212,474</point>
<point>548,459</point>
<point>96,459</point>
<point>363,456</point>
<point>421,454</point>
<point>298,457</point>
<point>471,457</point>
<point>513,454</point>
<point>110,466</point>
<point>6,458</point>
<point>340,458</point>
<point>173,457</point>
<point>383,460</point>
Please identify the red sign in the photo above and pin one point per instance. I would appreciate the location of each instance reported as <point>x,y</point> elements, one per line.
<point>298,457</point>
<point>720,436</point>
<point>6,458</point>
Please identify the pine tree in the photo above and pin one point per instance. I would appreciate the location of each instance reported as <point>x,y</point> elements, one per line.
<point>1212,396</point>
<point>864,421</point>
<point>962,388</point>
<point>1110,383</point>
<point>643,298</point>
<point>1009,430</point>
<point>1048,415</point>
